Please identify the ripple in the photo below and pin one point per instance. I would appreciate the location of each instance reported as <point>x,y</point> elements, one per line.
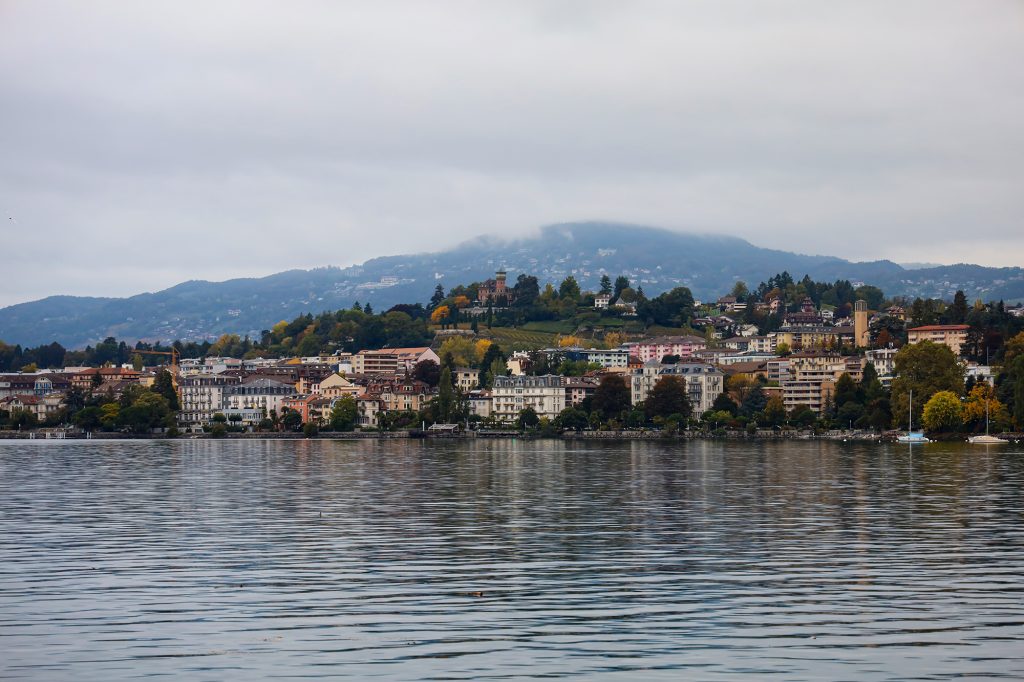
<point>502,560</point>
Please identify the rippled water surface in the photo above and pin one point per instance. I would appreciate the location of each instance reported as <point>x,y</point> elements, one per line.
<point>408,560</point>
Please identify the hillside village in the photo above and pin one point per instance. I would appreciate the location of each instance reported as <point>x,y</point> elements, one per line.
<point>501,355</point>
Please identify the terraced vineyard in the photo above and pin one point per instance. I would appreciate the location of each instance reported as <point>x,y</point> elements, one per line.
<point>519,339</point>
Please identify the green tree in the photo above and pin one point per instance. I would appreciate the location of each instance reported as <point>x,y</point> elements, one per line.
<point>291,420</point>
<point>438,296</point>
<point>572,418</point>
<point>621,282</point>
<point>309,346</point>
<point>667,397</point>
<point>445,400</point>
<point>943,412</point>
<point>606,284</point>
<point>569,289</point>
<point>527,418</point>
<point>344,414</point>
<point>109,413</point>
<point>723,403</point>
<point>88,418</point>
<point>611,397</point>
<point>427,371</point>
<point>957,312</point>
<point>755,402</point>
<point>163,385</point>
<point>924,368</point>
<point>774,411</point>
<point>846,390</point>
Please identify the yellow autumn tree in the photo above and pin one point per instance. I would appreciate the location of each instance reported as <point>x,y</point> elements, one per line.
<point>460,301</point>
<point>462,350</point>
<point>974,408</point>
<point>566,341</point>
<point>614,339</point>
<point>481,348</point>
<point>440,314</point>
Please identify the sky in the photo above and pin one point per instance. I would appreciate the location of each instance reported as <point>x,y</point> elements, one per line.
<point>147,143</point>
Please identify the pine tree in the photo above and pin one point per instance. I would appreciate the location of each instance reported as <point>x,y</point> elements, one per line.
<point>445,400</point>
<point>438,296</point>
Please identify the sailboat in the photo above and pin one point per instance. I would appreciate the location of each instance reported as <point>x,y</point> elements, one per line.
<point>986,439</point>
<point>912,436</point>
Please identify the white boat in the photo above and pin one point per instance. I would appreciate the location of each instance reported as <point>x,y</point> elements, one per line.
<point>911,436</point>
<point>986,439</point>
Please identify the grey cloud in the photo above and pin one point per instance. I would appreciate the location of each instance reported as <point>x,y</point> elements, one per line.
<point>169,141</point>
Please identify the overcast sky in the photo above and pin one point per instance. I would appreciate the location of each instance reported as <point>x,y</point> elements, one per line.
<point>146,143</point>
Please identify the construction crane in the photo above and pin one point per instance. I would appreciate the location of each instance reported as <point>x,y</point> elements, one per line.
<point>173,353</point>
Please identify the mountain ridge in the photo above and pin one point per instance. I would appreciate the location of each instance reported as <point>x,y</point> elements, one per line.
<point>655,258</point>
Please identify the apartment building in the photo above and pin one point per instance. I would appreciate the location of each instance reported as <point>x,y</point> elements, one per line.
<point>703,382</point>
<point>545,394</point>
<point>952,335</point>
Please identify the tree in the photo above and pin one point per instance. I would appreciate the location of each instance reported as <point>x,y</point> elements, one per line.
<point>438,296</point>
<point>527,418</point>
<point>497,368</point>
<point>846,390</point>
<point>957,312</point>
<point>606,284</point>
<point>445,400</point>
<point>621,282</point>
<point>723,403</point>
<point>870,385</point>
<point>526,290</point>
<point>611,396</point>
<point>673,308</point>
<point>740,386</point>
<point>461,350</point>
<point>344,414</point>
<point>755,402</point>
<point>666,398</point>
<point>774,411</point>
<point>88,418</point>
<point>308,346</point>
<point>943,412</point>
<point>980,396</point>
<point>569,289</point>
<point>740,291</point>
<point>163,385</point>
<point>427,371</point>
<point>924,368</point>
<point>291,420</point>
<point>440,315</point>
<point>572,418</point>
<point>137,363</point>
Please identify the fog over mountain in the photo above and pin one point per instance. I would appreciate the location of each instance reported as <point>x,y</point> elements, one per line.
<point>149,143</point>
<point>653,258</point>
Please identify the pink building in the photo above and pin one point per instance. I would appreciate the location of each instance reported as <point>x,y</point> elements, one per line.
<point>660,346</point>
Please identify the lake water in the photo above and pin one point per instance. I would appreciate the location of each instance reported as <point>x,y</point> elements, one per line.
<point>511,559</point>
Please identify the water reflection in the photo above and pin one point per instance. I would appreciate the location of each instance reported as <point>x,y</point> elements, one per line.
<point>416,560</point>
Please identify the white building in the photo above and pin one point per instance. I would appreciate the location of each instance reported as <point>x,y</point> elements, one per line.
<point>545,394</point>
<point>256,393</point>
<point>703,382</point>
<point>202,396</point>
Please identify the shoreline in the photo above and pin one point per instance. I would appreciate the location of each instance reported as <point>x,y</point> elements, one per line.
<point>763,435</point>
